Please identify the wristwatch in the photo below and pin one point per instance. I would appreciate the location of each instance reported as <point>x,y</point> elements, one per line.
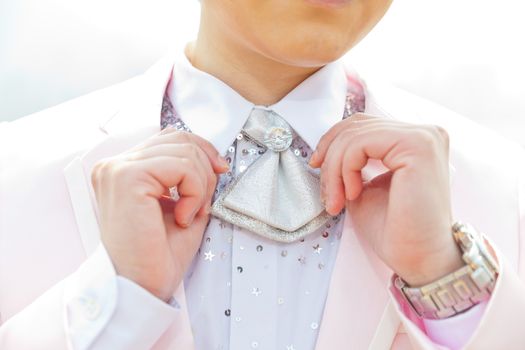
<point>463,288</point>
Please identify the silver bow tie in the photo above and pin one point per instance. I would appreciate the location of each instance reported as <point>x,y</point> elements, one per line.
<point>277,196</point>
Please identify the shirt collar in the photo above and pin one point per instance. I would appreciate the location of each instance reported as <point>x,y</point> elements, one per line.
<point>216,112</point>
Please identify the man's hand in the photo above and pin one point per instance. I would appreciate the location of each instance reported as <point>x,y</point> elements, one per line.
<point>405,213</point>
<point>151,240</point>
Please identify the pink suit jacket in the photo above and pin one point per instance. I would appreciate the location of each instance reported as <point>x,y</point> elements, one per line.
<point>49,220</point>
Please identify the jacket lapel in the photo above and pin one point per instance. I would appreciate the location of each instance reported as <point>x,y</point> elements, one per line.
<point>359,313</point>
<point>357,300</point>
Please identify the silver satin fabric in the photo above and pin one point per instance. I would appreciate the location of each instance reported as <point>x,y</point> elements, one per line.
<point>277,196</point>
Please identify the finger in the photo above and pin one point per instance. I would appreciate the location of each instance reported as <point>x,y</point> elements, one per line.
<point>186,150</point>
<point>208,178</point>
<point>355,121</point>
<point>332,182</point>
<point>352,162</point>
<point>171,135</point>
<point>342,164</point>
<point>168,172</point>
<point>352,179</point>
<point>219,164</point>
<point>389,144</point>
<point>183,150</point>
<point>395,144</point>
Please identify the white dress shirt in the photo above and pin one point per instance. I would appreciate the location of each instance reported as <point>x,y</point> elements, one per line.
<point>243,291</point>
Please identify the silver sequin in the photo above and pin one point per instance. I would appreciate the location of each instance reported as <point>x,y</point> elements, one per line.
<point>209,255</point>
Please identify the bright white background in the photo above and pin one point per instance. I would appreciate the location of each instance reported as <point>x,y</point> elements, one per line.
<point>465,54</point>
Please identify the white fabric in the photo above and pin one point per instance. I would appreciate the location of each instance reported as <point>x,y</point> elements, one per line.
<point>107,311</point>
<point>207,105</point>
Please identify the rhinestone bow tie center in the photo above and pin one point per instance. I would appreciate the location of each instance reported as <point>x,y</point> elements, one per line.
<point>278,138</point>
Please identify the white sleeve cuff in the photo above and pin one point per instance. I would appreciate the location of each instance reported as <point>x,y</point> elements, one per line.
<point>107,311</point>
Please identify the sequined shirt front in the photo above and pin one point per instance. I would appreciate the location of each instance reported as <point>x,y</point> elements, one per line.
<point>247,292</point>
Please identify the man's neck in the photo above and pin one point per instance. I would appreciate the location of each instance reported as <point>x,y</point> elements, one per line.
<point>257,78</point>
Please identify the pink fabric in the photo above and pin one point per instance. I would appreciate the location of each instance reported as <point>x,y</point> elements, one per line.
<point>454,332</point>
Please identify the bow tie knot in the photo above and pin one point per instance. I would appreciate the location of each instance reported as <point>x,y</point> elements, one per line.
<point>277,196</point>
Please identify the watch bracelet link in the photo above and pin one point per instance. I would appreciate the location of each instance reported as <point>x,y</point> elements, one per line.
<point>461,289</point>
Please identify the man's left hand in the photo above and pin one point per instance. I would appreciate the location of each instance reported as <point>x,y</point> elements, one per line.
<point>405,213</point>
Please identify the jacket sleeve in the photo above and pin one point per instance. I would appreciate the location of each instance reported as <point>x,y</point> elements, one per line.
<point>500,324</point>
<point>93,308</point>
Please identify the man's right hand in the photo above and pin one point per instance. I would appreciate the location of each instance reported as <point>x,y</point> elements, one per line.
<point>150,240</point>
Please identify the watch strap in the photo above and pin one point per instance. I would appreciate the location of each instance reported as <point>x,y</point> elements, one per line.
<point>461,289</point>
<point>450,295</point>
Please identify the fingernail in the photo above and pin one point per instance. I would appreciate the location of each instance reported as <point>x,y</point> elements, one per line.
<point>223,163</point>
<point>190,219</point>
<point>348,194</point>
<point>313,158</point>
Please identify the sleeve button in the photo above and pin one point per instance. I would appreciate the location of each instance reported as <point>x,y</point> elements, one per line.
<point>90,307</point>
